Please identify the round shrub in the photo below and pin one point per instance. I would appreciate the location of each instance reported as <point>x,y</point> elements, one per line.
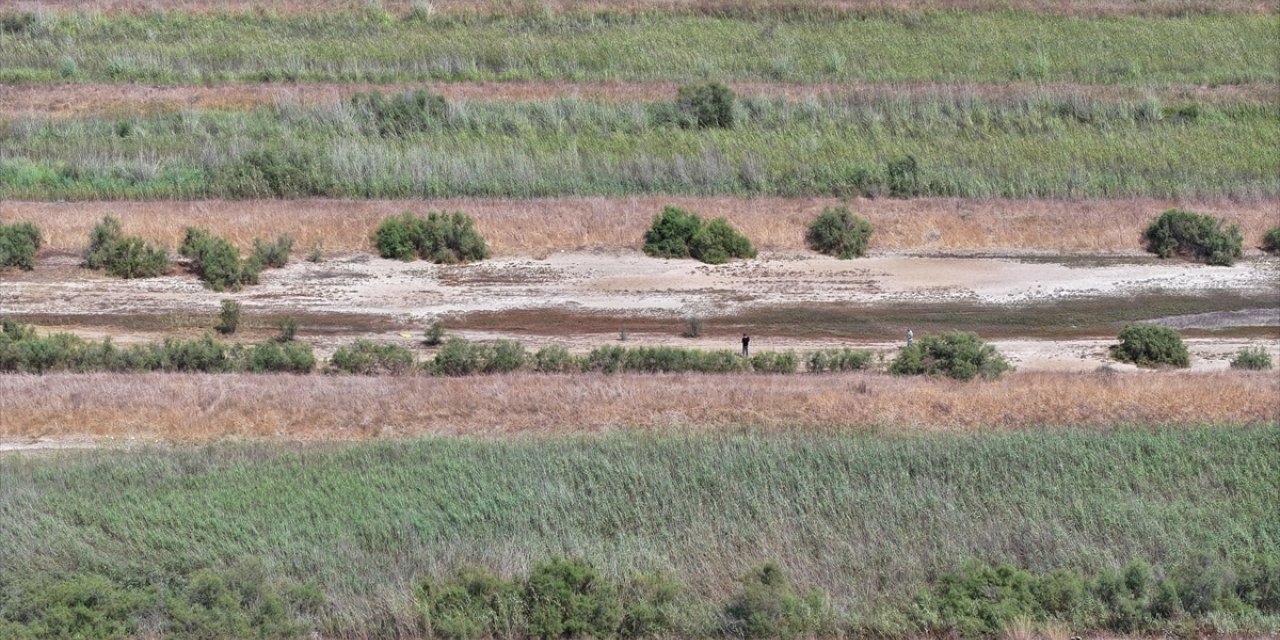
<point>770,607</point>
<point>19,243</point>
<point>443,238</point>
<point>705,106</point>
<point>838,232</point>
<point>957,354</point>
<point>217,262</point>
<point>676,233</point>
<point>717,241</point>
<point>1271,241</point>
<point>1194,236</point>
<point>1251,358</point>
<point>1151,345</point>
<point>568,598</point>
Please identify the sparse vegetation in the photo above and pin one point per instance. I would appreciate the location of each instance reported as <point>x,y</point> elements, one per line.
<point>838,232</point>
<point>19,243</point>
<point>275,254</point>
<point>1252,358</point>
<point>1194,236</point>
<point>1151,345</point>
<point>228,318</point>
<point>441,237</point>
<point>1271,241</point>
<point>366,357</point>
<point>123,256</point>
<point>676,233</point>
<point>956,354</point>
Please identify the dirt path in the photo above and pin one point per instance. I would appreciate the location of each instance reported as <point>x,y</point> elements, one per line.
<point>89,99</point>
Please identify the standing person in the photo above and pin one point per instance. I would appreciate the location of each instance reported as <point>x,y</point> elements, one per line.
<point>746,343</point>
<point>910,337</point>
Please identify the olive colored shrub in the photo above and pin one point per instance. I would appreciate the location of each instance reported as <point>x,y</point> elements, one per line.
<point>1253,358</point>
<point>278,172</point>
<point>832,360</point>
<point>278,357</point>
<point>956,354</point>
<point>1194,236</point>
<point>838,232</point>
<point>366,357</point>
<point>676,233</point>
<point>80,606</point>
<point>619,359</point>
<point>434,335</point>
<point>705,106</point>
<point>123,256</point>
<point>650,606</point>
<point>769,606</point>
<point>19,243</point>
<point>568,598</point>
<point>775,362</point>
<point>461,357</point>
<point>228,317</point>
<point>556,359</point>
<point>441,237</point>
<point>904,177</point>
<point>474,604</point>
<point>288,328</point>
<point>1151,345</point>
<point>217,262</point>
<point>1271,241</point>
<point>239,603</point>
<point>273,254</point>
<point>401,113</point>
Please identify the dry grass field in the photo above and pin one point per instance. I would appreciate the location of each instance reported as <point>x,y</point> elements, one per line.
<point>199,407</point>
<point>539,226</point>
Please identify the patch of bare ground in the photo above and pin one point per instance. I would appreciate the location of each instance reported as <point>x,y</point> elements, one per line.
<point>540,226</point>
<point>188,406</point>
<point>82,100</point>
<point>1084,8</point>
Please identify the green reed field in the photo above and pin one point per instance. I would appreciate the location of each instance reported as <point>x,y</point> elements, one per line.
<point>1047,145</point>
<point>868,519</point>
<point>807,47</point>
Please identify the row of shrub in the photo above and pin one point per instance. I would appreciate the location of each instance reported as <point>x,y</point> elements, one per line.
<point>22,351</point>
<point>569,598</point>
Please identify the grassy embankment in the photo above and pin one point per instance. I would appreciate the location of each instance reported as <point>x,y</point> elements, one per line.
<point>866,520</point>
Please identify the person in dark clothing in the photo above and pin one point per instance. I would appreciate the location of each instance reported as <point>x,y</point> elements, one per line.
<point>746,343</point>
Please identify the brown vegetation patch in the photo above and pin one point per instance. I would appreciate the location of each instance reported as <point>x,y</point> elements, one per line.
<point>538,226</point>
<point>81,100</point>
<point>1087,8</point>
<point>188,406</point>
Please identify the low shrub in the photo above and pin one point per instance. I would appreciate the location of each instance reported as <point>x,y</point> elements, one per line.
<point>1194,236</point>
<point>19,243</point>
<point>568,598</point>
<point>705,106</point>
<point>838,232</point>
<point>775,362</point>
<point>649,605</point>
<point>217,262</point>
<point>692,327</point>
<point>1271,241</point>
<point>228,318</point>
<point>272,172</point>
<point>123,256</point>
<point>619,359</point>
<point>80,606</point>
<point>474,604</point>
<point>288,329</point>
<point>273,254</point>
<point>770,607</point>
<point>366,357</point>
<point>434,335</point>
<point>401,113</point>
<point>1252,358</point>
<point>556,359</point>
<point>460,357</point>
<point>957,354</point>
<point>676,233</point>
<point>443,238</point>
<point>277,357</point>
<point>903,177</point>
<point>1151,345</point>
<point>846,359</point>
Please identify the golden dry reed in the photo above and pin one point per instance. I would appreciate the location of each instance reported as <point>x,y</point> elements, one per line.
<point>540,226</point>
<point>197,407</point>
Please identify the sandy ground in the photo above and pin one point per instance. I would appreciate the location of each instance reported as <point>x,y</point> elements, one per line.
<point>392,300</point>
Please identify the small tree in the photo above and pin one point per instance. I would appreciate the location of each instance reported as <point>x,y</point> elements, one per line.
<point>228,318</point>
<point>706,106</point>
<point>838,232</point>
<point>1194,236</point>
<point>957,354</point>
<point>1151,345</point>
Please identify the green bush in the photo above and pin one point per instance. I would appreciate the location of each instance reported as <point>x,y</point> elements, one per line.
<point>19,243</point>
<point>277,357</point>
<point>288,327</point>
<point>846,359</point>
<point>123,256</point>
<point>555,359</point>
<point>770,607</point>
<point>619,359</point>
<point>904,177</point>
<point>443,238</point>
<point>271,172</point>
<point>676,233</point>
<point>273,254</point>
<point>979,600</point>
<point>239,603</point>
<point>474,604</point>
<point>81,606</point>
<point>649,606</point>
<point>1194,236</point>
<point>401,113</point>
<point>1254,358</point>
<point>1150,345</point>
<point>705,106</point>
<point>1271,241</point>
<point>460,357</point>
<point>838,232</point>
<point>217,262</point>
<point>957,354</point>
<point>434,335</point>
<point>366,357</point>
<point>775,362</point>
<point>568,598</point>
<point>228,317</point>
